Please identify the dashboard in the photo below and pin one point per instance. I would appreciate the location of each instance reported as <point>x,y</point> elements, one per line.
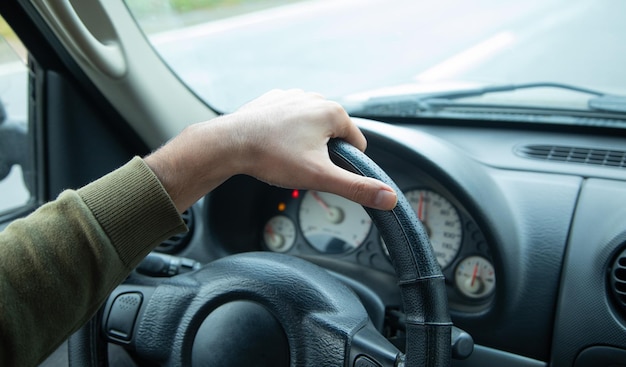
<point>512,233</point>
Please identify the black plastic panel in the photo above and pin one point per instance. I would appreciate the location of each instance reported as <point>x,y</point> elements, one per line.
<point>83,142</point>
<point>601,356</point>
<point>487,357</point>
<point>586,316</point>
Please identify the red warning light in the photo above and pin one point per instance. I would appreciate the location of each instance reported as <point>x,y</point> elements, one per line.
<point>295,194</point>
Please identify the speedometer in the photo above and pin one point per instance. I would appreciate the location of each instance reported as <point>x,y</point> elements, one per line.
<point>333,224</point>
<point>441,221</point>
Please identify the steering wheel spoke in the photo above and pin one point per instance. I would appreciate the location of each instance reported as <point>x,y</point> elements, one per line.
<point>370,349</point>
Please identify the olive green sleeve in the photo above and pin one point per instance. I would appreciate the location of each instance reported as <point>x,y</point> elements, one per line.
<point>58,264</point>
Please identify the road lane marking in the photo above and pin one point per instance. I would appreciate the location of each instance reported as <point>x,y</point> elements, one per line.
<point>467,59</point>
<point>473,56</point>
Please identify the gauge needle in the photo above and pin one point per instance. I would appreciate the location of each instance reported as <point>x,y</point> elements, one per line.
<point>333,213</point>
<point>420,207</point>
<point>474,274</point>
<point>320,201</point>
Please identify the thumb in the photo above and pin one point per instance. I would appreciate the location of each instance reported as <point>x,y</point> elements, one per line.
<point>366,191</point>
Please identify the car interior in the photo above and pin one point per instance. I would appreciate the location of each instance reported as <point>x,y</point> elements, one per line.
<point>520,210</point>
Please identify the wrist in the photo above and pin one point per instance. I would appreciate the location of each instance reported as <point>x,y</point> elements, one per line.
<point>196,161</point>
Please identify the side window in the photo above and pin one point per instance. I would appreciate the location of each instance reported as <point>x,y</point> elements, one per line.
<point>16,168</point>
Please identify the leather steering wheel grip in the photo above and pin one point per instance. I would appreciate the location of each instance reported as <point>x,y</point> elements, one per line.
<point>421,281</point>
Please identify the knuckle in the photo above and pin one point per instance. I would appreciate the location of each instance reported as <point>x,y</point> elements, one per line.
<point>336,108</point>
<point>359,193</point>
<point>336,113</point>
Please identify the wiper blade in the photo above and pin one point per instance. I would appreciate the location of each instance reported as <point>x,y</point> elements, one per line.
<point>475,92</point>
<point>600,101</point>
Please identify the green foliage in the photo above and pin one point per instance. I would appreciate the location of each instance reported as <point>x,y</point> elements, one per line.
<point>11,48</point>
<point>151,7</point>
<point>160,15</point>
<point>190,5</point>
<point>5,30</point>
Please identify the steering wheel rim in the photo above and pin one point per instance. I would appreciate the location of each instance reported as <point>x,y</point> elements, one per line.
<point>422,285</point>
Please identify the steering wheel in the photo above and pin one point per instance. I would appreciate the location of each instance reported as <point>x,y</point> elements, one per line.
<point>274,309</point>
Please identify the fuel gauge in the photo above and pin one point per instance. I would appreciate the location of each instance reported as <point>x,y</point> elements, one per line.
<point>475,277</point>
<point>279,234</point>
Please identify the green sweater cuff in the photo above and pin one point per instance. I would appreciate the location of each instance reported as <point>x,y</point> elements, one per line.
<point>133,209</point>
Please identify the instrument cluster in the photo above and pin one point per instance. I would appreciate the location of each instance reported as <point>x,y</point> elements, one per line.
<point>312,223</point>
<point>336,233</point>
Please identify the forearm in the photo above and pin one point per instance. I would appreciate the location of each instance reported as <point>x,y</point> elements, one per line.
<point>58,265</point>
<point>196,161</point>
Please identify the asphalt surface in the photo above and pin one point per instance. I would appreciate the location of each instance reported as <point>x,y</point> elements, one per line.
<point>348,46</point>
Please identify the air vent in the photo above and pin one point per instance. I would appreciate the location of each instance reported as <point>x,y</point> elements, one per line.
<point>177,242</point>
<point>618,280</point>
<point>599,157</point>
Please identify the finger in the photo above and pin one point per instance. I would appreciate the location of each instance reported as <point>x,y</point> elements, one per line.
<point>366,191</point>
<point>355,137</point>
<point>347,129</point>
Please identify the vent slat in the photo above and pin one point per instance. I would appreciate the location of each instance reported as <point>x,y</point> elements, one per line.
<point>579,155</point>
<point>618,281</point>
<point>177,242</point>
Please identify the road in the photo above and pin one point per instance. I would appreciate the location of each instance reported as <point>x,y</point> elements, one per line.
<point>342,47</point>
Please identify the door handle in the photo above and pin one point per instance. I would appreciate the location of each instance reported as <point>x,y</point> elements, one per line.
<point>105,56</point>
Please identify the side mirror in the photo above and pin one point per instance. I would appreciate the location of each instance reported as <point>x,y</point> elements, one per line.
<point>14,148</point>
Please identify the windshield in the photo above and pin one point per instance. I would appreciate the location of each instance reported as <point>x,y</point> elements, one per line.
<point>229,52</point>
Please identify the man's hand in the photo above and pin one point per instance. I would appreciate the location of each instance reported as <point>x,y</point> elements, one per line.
<point>280,138</point>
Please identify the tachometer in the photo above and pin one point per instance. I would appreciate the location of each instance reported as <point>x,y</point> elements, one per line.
<point>333,224</point>
<point>442,223</point>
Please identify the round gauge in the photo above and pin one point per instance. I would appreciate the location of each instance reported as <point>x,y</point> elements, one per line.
<point>475,277</point>
<point>333,224</point>
<point>279,234</point>
<point>441,221</point>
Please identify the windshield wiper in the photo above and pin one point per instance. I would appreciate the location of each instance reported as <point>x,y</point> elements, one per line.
<point>475,92</point>
<point>428,102</point>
